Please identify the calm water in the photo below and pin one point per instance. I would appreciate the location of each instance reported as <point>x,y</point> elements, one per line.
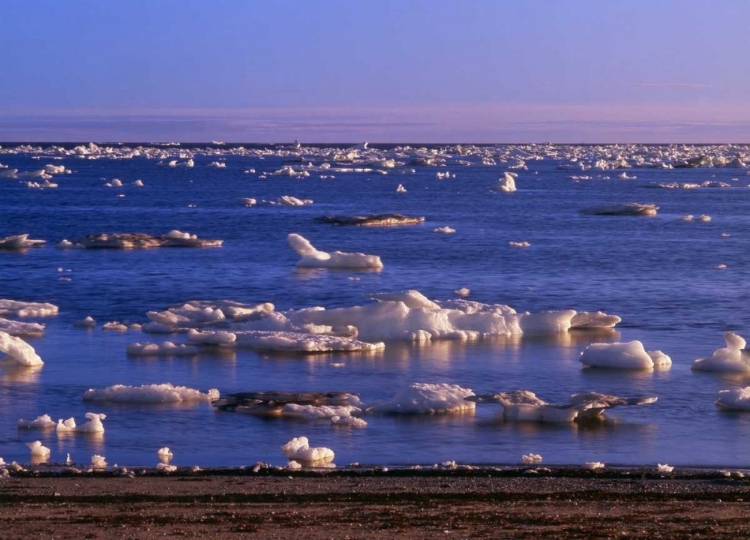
<point>659,274</point>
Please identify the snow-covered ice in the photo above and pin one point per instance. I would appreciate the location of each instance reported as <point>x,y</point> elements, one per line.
<point>730,359</point>
<point>150,393</point>
<point>313,258</point>
<point>631,355</point>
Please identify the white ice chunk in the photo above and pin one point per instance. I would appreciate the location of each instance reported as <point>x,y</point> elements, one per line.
<point>16,309</point>
<point>98,462</point>
<point>531,458</point>
<point>630,355</point>
<point>161,349</point>
<point>18,328</point>
<point>298,449</point>
<point>664,468</point>
<point>150,393</point>
<point>507,183</point>
<point>37,450</point>
<point>88,322</point>
<point>444,230</point>
<point>734,400</point>
<point>730,359</point>
<point>423,398</point>
<point>94,425</point>
<point>18,350</point>
<point>312,258</point>
<point>41,422</point>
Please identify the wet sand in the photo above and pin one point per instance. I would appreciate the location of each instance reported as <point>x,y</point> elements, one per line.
<point>375,504</point>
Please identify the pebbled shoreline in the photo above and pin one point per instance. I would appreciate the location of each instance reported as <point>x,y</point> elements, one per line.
<point>372,503</point>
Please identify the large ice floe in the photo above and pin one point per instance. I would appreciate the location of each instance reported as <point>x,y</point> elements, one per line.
<point>173,238</point>
<point>733,358</point>
<point>150,393</point>
<point>628,209</point>
<point>425,398</point>
<point>18,350</point>
<point>525,406</point>
<point>405,315</point>
<point>19,242</point>
<point>313,258</point>
<point>631,355</point>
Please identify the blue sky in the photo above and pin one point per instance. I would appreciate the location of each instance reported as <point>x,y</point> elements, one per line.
<point>386,71</point>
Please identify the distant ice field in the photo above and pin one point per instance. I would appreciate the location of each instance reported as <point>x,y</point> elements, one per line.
<point>678,284</point>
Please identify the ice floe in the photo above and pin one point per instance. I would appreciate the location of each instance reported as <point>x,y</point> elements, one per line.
<point>730,359</point>
<point>142,241</point>
<point>734,400</point>
<point>37,450</point>
<point>314,404</point>
<point>298,449</point>
<point>19,242</point>
<point>18,328</point>
<point>150,393</point>
<point>425,398</point>
<point>166,348</point>
<point>628,209</point>
<point>372,220</point>
<point>444,230</point>
<point>40,422</point>
<point>18,350</point>
<point>631,355</point>
<point>525,406</point>
<point>507,183</point>
<point>313,258</point>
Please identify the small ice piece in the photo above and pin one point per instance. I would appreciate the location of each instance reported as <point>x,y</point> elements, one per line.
<point>444,230</point>
<point>463,292</point>
<point>165,454</point>
<point>98,462</point>
<point>115,326</point>
<point>629,209</point>
<point>138,183</point>
<point>249,201</point>
<point>734,400</point>
<point>21,329</point>
<point>664,468</point>
<point>532,458</point>
<point>68,461</point>
<point>424,398</point>
<point>217,165</point>
<point>88,322</point>
<point>165,467</point>
<point>593,465</point>
<point>507,183</point>
<point>41,422</point>
<point>161,349</point>
<point>629,355</point>
<point>18,350</point>
<point>687,217</point>
<point>66,426</point>
<point>400,189</point>
<point>729,359</point>
<point>312,258</point>
<point>704,218</point>
<point>721,266</point>
<point>150,393</point>
<point>19,241</point>
<point>37,450</point>
<point>94,425</point>
<point>298,449</point>
<point>348,421</point>
<point>115,183</point>
<point>293,465</point>
<point>523,244</point>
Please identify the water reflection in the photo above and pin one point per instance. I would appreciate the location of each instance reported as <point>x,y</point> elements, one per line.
<point>17,373</point>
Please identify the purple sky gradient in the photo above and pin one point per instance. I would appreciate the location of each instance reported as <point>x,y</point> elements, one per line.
<point>386,71</point>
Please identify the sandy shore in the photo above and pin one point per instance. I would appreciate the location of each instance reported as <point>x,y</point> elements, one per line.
<point>485,503</point>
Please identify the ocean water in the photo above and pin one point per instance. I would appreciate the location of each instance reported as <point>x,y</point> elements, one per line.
<point>659,274</point>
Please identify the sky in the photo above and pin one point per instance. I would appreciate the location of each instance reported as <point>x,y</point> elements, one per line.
<point>484,71</point>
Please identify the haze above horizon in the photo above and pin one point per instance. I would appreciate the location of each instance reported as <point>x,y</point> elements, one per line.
<point>332,71</point>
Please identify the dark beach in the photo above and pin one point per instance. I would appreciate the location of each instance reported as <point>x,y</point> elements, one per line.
<point>373,503</point>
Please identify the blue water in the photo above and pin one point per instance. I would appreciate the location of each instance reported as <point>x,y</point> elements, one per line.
<point>657,273</point>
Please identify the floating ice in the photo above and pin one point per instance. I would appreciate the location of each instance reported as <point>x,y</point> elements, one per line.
<point>629,209</point>
<point>98,462</point>
<point>301,342</point>
<point>66,426</point>
<point>165,467</point>
<point>115,326</point>
<point>298,449</point>
<point>423,398</point>
<point>444,230</point>
<point>312,258</point>
<point>94,425</point>
<point>217,165</point>
<point>138,183</point>
<point>88,322</point>
<point>41,422</point>
<point>400,189</point>
<point>630,355</point>
<point>161,349</point>
<point>319,412</point>
<point>275,403</point>
<point>507,183</point>
<point>734,400</point>
<point>143,241</point>
<point>730,359</point>
<point>150,393</point>
<point>165,454</point>
<point>531,458</point>
<point>593,465</point>
<point>372,220</point>
<point>18,350</point>
<point>525,406</point>
<point>523,244</point>
<point>463,292</point>
<point>37,450</point>
<point>348,421</point>
<point>17,328</point>
<point>20,241</point>
<point>664,468</point>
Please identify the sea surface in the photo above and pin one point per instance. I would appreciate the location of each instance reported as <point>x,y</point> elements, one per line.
<point>659,274</point>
